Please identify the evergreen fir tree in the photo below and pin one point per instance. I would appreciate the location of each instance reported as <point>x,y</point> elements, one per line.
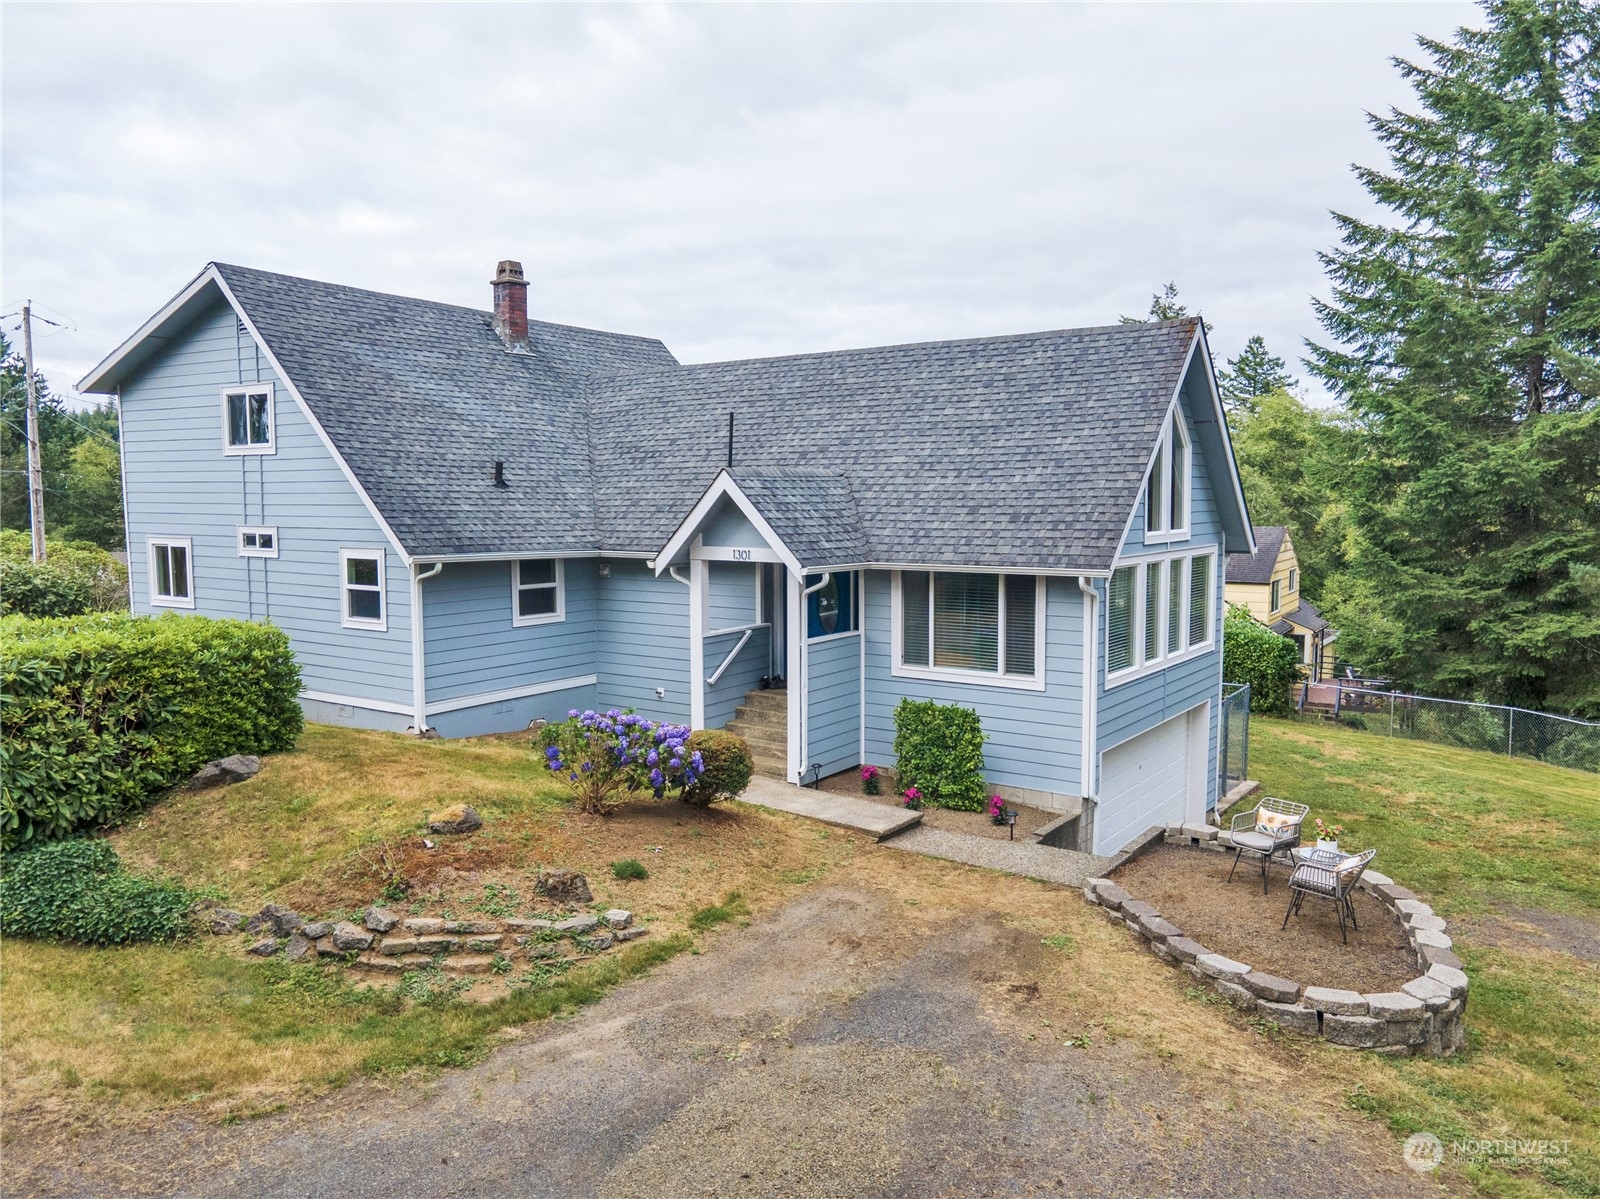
<point>1466,344</point>
<point>1164,306</point>
<point>1255,373</point>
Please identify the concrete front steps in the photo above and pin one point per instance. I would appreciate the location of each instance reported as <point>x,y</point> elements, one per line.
<point>763,721</point>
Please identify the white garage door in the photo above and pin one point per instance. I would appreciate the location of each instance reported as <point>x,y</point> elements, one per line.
<point>1143,782</point>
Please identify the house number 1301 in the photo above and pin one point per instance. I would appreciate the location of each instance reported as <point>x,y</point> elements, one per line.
<point>741,555</point>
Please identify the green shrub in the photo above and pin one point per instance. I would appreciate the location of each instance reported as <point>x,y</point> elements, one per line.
<point>78,891</point>
<point>1254,654</point>
<point>629,868</point>
<point>726,766</point>
<point>102,712</point>
<point>75,577</point>
<point>939,751</point>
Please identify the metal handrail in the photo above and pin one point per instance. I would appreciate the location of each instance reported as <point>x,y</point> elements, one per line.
<point>711,680</point>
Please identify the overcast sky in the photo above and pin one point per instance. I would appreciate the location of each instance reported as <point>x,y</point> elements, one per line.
<point>735,180</point>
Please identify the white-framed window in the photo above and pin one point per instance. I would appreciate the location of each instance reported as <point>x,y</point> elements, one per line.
<point>1277,595</point>
<point>362,602</point>
<point>969,627</point>
<point>171,572</point>
<point>248,421</point>
<point>1159,610</point>
<point>538,591</point>
<point>1166,495</point>
<point>258,541</point>
<point>1294,579</point>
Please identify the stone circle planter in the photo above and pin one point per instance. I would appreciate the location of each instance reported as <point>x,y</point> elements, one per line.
<point>1425,1016</point>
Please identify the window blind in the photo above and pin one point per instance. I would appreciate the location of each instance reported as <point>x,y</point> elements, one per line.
<point>966,621</point>
<point>1152,610</point>
<point>1199,598</point>
<point>1119,620</point>
<point>1175,605</point>
<point>914,618</point>
<point>1022,594</point>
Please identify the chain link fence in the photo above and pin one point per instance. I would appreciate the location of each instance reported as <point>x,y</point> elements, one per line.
<point>1515,732</point>
<point>1233,738</point>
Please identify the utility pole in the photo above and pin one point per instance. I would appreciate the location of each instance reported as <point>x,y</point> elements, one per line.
<point>35,467</point>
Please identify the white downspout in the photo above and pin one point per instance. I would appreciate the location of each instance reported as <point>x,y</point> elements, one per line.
<point>697,643</point>
<point>419,686</point>
<point>1091,641</point>
<point>805,674</point>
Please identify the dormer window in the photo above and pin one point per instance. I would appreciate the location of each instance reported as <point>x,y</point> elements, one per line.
<point>1166,496</point>
<point>247,424</point>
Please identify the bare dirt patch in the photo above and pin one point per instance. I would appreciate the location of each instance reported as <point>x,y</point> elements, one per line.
<point>973,824</point>
<point>1190,888</point>
<point>1521,928</point>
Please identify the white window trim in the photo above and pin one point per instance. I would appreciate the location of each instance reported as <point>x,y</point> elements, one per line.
<point>950,674</point>
<point>167,601</point>
<point>381,625</point>
<point>855,611</point>
<point>270,446</point>
<point>1163,456</point>
<point>556,617</point>
<point>1143,668</point>
<point>248,552</point>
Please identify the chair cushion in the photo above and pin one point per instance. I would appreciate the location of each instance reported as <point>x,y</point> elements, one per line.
<point>1274,824</point>
<point>1348,869</point>
<point>1259,842</point>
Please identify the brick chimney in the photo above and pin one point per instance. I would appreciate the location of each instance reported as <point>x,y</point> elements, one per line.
<point>511,304</point>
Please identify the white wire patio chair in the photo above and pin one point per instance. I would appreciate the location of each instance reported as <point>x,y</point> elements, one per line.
<point>1335,881</point>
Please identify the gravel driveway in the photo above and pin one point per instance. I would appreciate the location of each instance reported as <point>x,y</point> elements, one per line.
<point>834,1048</point>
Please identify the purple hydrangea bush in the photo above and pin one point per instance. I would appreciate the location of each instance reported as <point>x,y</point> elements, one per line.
<point>606,756</point>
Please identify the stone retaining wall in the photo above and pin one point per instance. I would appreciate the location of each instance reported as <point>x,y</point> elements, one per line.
<point>1426,1015</point>
<point>387,942</point>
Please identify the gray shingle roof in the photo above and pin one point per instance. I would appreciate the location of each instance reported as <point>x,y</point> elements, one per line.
<point>1308,617</point>
<point>1016,452</point>
<point>422,398</point>
<point>1257,568</point>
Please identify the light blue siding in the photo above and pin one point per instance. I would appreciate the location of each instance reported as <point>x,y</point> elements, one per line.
<point>511,715</point>
<point>1128,709</point>
<point>742,676</point>
<point>732,596</point>
<point>727,525</point>
<point>471,646</point>
<point>178,482</point>
<point>833,704</point>
<point>1034,737</point>
<point>643,627</point>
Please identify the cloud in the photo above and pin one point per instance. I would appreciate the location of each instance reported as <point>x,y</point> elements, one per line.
<point>736,180</point>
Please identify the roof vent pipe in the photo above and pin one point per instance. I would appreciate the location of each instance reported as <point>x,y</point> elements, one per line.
<point>511,304</point>
<point>500,474</point>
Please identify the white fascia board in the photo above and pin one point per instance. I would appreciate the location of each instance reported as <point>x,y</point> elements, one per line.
<point>101,380</point>
<point>1222,427</point>
<point>721,487</point>
<point>311,417</point>
<point>1150,459</point>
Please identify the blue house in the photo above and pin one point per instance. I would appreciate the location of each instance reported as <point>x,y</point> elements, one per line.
<point>467,520</point>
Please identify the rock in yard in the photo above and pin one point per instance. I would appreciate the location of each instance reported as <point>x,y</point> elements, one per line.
<point>1272,988</point>
<point>1184,949</point>
<point>275,918</point>
<point>317,929</point>
<point>300,947</point>
<point>1336,1002</point>
<point>1354,1032</point>
<point>1218,966</point>
<point>465,964</point>
<point>596,943</point>
<point>1450,976</point>
<point>476,928</point>
<point>424,925</point>
<point>1290,1015</point>
<point>1158,929</point>
<point>482,944</point>
<point>224,922</point>
<point>1395,1005</point>
<point>371,961</point>
<point>457,818</point>
<point>266,948</point>
<point>395,946</point>
<point>1433,955</point>
<point>347,936</point>
<point>617,918</point>
<point>577,925</point>
<point>526,926</point>
<point>379,920</point>
<point>1430,938</point>
<point>544,949</point>
<point>630,934</point>
<point>564,886</point>
<point>1431,991</point>
<point>234,769</point>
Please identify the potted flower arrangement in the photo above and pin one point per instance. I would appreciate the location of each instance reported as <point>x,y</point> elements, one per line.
<point>997,809</point>
<point>1328,835</point>
<point>912,798</point>
<point>869,780</point>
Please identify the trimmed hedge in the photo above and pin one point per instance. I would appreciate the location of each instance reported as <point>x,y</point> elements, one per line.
<point>100,713</point>
<point>78,891</point>
<point>75,577</point>
<point>1254,654</point>
<point>726,766</point>
<point>939,751</point>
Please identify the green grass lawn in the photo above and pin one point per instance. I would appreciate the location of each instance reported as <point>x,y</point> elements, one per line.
<point>1490,843</point>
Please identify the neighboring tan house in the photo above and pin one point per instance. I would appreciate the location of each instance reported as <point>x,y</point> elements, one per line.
<point>1268,583</point>
<point>468,520</point>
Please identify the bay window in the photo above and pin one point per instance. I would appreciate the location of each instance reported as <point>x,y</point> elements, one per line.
<point>1158,609</point>
<point>960,625</point>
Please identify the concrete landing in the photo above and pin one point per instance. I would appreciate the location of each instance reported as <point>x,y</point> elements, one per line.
<point>862,815</point>
<point>1065,866</point>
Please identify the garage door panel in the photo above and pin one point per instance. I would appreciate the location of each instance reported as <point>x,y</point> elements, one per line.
<point>1143,782</point>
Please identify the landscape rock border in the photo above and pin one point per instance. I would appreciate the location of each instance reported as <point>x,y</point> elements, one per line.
<point>1425,1016</point>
